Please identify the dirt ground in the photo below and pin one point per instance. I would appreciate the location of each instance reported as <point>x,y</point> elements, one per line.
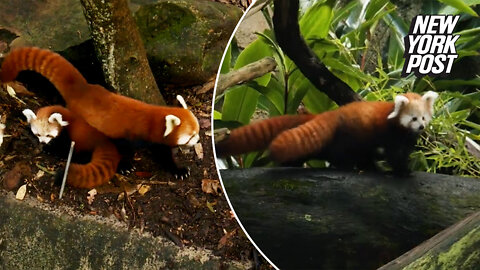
<point>176,209</point>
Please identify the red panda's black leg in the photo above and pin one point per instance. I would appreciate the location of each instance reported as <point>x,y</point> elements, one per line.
<point>163,155</point>
<point>397,156</point>
<point>127,152</point>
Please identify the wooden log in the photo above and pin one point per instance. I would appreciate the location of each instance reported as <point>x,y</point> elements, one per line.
<point>454,248</point>
<point>326,219</point>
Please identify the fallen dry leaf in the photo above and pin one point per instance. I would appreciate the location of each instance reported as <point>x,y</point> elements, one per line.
<point>91,196</point>
<point>130,189</point>
<point>199,150</point>
<point>13,94</point>
<point>211,186</point>
<point>224,240</point>
<point>211,205</point>
<point>144,189</point>
<point>39,174</point>
<point>14,178</point>
<point>21,192</point>
<point>193,200</point>
<point>20,89</point>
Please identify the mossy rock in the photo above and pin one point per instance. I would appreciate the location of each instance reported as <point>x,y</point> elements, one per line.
<point>185,39</point>
<point>55,25</point>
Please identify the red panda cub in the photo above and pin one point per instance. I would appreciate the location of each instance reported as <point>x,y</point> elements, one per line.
<point>116,116</point>
<point>47,125</point>
<point>348,137</point>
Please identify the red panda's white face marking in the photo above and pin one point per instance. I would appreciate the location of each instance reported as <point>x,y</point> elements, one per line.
<point>185,131</point>
<point>45,129</point>
<point>414,112</point>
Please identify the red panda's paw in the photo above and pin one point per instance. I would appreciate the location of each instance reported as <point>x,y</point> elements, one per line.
<point>181,173</point>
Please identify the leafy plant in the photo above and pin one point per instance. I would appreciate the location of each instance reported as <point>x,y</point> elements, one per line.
<point>361,43</point>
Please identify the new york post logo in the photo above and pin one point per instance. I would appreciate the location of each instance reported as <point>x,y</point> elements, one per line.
<point>430,45</point>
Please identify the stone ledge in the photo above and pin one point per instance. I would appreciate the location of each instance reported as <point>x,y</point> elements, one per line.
<point>38,236</point>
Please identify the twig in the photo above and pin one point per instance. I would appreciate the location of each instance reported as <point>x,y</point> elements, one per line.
<point>245,74</point>
<point>257,6</point>
<point>154,182</point>
<point>220,134</point>
<point>69,159</point>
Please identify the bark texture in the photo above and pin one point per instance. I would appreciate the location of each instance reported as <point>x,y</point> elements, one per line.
<point>325,219</point>
<point>120,50</point>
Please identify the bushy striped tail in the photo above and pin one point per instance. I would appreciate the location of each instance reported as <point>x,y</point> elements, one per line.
<point>52,66</point>
<point>98,171</point>
<point>257,136</point>
<point>304,140</point>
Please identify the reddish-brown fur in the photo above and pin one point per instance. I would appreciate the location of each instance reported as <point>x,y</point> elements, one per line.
<point>365,120</point>
<point>114,115</point>
<point>258,135</point>
<point>105,156</point>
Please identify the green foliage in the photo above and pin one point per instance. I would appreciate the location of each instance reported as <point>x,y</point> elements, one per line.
<point>343,37</point>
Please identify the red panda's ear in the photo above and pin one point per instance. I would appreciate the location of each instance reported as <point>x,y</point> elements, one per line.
<point>182,101</point>
<point>429,98</point>
<point>171,121</point>
<point>30,115</point>
<point>58,118</point>
<point>400,102</point>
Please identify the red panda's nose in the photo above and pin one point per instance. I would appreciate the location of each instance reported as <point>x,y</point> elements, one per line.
<point>421,127</point>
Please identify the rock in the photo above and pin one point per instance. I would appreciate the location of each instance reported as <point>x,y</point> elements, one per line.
<point>185,39</point>
<point>53,24</point>
<point>36,236</point>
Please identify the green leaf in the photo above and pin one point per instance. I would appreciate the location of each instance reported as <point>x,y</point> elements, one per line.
<point>460,115</point>
<point>343,13</point>
<point>317,102</point>
<point>298,87</point>
<point>316,21</point>
<point>227,60</point>
<point>217,115</point>
<point>446,84</point>
<point>239,104</point>
<point>254,52</point>
<point>274,92</point>
<point>460,5</point>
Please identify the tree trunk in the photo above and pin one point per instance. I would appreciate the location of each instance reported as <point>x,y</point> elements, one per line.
<point>287,33</point>
<point>120,49</point>
<point>326,219</point>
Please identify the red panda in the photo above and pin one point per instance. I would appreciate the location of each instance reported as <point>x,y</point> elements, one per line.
<point>47,125</point>
<point>114,115</point>
<point>258,135</point>
<point>347,137</point>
